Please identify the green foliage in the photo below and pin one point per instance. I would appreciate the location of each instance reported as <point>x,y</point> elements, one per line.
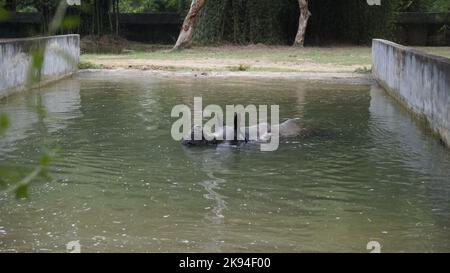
<point>94,17</point>
<point>4,14</point>
<point>58,21</point>
<point>134,6</point>
<point>246,21</point>
<point>351,21</point>
<point>21,192</point>
<point>4,123</point>
<point>87,65</point>
<point>20,188</point>
<point>37,61</point>
<point>70,22</point>
<point>17,180</point>
<point>426,5</point>
<point>438,5</point>
<point>276,22</point>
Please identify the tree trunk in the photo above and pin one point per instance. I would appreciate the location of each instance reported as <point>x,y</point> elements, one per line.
<point>187,30</point>
<point>117,12</point>
<point>303,23</point>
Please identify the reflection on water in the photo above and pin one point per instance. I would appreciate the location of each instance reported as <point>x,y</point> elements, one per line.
<point>61,103</point>
<point>210,165</point>
<point>122,183</point>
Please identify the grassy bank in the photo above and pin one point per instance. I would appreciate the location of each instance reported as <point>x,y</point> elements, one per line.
<point>342,59</point>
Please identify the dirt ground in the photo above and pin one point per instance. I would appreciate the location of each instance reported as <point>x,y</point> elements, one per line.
<point>252,58</point>
<point>222,65</point>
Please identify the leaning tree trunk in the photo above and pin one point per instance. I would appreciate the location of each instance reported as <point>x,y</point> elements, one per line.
<point>303,23</point>
<point>187,31</point>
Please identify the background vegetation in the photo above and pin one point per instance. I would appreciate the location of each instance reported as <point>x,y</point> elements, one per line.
<point>275,22</point>
<point>133,6</point>
<point>244,21</point>
<point>426,5</point>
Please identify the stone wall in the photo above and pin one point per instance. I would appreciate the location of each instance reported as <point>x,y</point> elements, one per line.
<point>420,81</point>
<point>61,59</point>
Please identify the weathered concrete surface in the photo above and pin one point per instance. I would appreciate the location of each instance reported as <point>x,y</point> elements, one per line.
<point>419,81</point>
<point>62,54</point>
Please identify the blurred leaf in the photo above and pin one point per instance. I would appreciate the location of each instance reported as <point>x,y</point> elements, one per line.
<point>41,111</point>
<point>2,183</point>
<point>15,181</point>
<point>58,17</point>
<point>4,14</point>
<point>48,156</point>
<point>45,159</point>
<point>70,22</point>
<point>44,175</point>
<point>66,56</point>
<point>4,123</point>
<point>11,174</point>
<point>37,61</point>
<point>22,192</point>
<point>9,178</point>
<point>21,188</point>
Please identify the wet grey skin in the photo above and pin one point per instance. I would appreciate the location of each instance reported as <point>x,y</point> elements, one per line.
<point>288,129</point>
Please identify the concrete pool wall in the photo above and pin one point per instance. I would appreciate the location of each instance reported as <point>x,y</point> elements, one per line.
<point>61,58</point>
<point>420,81</point>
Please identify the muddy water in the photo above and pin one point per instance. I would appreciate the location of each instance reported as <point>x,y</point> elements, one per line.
<point>122,184</point>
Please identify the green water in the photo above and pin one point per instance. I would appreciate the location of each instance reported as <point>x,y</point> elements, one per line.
<point>122,184</point>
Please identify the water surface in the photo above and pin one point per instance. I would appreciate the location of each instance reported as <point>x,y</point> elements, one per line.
<point>122,184</point>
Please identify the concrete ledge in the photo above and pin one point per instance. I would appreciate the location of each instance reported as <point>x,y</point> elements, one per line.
<point>421,82</point>
<point>62,54</point>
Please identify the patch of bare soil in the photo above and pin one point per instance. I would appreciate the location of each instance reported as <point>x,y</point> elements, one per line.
<point>222,65</point>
